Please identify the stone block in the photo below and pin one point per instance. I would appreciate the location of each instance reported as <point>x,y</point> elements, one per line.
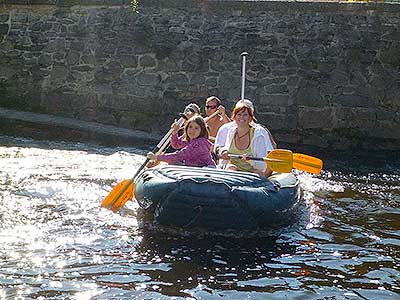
<point>82,68</point>
<point>313,139</point>
<point>275,89</point>
<point>284,137</point>
<point>45,60</point>
<point>72,57</point>
<point>316,117</point>
<point>310,96</point>
<point>197,79</point>
<point>59,72</point>
<point>386,130</point>
<point>109,72</point>
<point>177,80</point>
<point>148,79</point>
<point>3,29</point>
<point>211,82</point>
<point>147,61</point>
<point>273,121</point>
<point>354,101</point>
<point>275,99</point>
<point>382,114</point>
<point>4,17</point>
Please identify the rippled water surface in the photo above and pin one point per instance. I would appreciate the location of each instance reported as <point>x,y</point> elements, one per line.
<point>57,243</point>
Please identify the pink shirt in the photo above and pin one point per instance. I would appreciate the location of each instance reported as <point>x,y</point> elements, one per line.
<point>196,153</point>
<point>177,142</point>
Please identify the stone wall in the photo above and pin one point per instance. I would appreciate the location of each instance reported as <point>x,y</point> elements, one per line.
<point>321,74</point>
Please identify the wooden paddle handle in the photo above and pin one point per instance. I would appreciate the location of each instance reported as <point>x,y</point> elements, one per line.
<point>206,119</point>
<point>166,138</point>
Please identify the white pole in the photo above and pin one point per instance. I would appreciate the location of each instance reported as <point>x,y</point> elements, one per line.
<point>244,54</point>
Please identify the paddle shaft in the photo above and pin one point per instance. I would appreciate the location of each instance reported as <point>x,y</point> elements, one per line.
<point>256,158</point>
<point>206,119</point>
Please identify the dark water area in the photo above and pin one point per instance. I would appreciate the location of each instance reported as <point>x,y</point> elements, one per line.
<point>57,243</point>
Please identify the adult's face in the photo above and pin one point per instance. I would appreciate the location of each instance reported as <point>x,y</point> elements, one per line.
<point>211,107</point>
<point>242,118</point>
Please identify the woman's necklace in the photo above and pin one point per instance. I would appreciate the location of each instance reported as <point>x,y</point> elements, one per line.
<point>243,135</point>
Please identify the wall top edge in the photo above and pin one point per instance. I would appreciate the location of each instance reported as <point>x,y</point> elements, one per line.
<point>220,6</point>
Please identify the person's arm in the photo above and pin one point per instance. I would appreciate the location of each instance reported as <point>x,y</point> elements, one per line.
<point>220,139</point>
<point>271,138</point>
<point>184,154</point>
<point>177,142</point>
<point>261,145</point>
<point>170,158</point>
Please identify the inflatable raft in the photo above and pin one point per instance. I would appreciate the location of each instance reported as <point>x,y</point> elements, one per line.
<point>212,198</point>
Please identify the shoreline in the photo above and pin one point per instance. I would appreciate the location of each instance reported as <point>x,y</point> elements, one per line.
<point>50,127</point>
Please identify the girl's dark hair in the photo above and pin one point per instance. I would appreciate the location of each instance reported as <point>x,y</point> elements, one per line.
<point>199,121</point>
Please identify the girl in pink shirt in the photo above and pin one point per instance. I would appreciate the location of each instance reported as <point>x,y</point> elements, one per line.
<point>196,152</point>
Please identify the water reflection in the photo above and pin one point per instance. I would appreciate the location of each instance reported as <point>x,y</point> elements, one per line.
<point>56,243</point>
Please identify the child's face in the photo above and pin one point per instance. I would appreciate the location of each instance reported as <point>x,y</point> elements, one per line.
<point>193,130</point>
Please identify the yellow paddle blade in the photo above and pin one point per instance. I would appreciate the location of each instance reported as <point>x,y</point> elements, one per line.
<point>116,193</point>
<point>280,160</point>
<point>307,163</point>
<point>107,202</point>
<point>125,197</point>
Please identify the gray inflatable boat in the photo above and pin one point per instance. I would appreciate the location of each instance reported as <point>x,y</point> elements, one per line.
<point>218,199</point>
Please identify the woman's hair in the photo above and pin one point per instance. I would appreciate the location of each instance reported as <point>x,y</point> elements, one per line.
<point>215,99</point>
<point>244,106</point>
<point>192,107</point>
<point>199,121</point>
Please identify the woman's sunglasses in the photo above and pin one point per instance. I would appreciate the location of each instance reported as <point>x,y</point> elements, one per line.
<point>211,106</point>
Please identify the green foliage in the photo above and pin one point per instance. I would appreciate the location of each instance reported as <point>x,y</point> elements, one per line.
<point>134,5</point>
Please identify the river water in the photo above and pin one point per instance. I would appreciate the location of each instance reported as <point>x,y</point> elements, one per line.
<point>57,243</point>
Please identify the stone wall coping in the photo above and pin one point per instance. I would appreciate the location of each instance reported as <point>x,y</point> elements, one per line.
<point>221,6</point>
<point>52,120</point>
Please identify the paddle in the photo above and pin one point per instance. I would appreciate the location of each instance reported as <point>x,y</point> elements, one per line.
<point>123,191</point>
<point>283,161</point>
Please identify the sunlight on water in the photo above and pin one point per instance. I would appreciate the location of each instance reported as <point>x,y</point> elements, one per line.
<point>57,243</point>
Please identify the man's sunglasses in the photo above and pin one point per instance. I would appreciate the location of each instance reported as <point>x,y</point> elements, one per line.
<point>211,106</point>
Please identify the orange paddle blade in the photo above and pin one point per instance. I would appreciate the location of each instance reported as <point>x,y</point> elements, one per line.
<point>125,197</point>
<point>116,193</point>
<point>307,163</point>
<point>280,160</point>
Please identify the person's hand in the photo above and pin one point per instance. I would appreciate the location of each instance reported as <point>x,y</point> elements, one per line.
<point>221,110</point>
<point>224,155</point>
<point>153,163</point>
<point>246,156</point>
<point>175,127</point>
<point>151,156</point>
